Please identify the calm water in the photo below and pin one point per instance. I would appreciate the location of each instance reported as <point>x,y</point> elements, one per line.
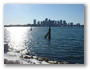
<point>66,44</point>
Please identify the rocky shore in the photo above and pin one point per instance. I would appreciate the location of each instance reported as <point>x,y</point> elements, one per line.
<point>30,59</point>
<point>40,60</point>
<point>27,58</point>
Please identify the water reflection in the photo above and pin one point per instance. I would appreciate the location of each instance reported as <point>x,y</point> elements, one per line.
<point>17,36</point>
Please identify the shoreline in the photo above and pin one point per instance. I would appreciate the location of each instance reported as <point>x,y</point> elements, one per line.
<point>18,57</point>
<point>30,59</point>
<point>15,57</point>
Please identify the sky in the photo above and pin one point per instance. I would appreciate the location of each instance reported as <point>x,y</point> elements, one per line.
<point>26,13</point>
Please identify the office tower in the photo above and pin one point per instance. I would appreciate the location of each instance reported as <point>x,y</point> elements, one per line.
<point>64,23</point>
<point>60,22</point>
<point>71,23</point>
<point>34,21</point>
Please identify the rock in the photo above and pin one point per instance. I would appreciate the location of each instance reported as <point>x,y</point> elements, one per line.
<point>34,61</point>
<point>42,59</point>
<point>64,62</point>
<point>21,56</point>
<point>18,51</point>
<point>59,63</point>
<point>44,62</point>
<point>34,57</point>
<point>28,57</point>
<point>6,61</point>
<point>52,62</point>
<point>16,62</point>
<point>45,59</point>
<point>28,53</point>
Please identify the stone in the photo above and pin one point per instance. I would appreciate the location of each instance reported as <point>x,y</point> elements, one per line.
<point>45,59</point>
<point>40,59</point>
<point>21,56</point>
<point>34,57</point>
<point>44,62</point>
<point>6,61</point>
<point>59,63</point>
<point>52,62</point>
<point>28,57</point>
<point>64,62</point>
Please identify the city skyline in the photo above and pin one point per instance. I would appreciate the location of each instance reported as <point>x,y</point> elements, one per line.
<point>48,23</point>
<point>25,13</point>
<point>60,22</point>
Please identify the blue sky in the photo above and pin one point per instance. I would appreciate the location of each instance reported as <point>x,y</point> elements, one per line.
<point>25,13</point>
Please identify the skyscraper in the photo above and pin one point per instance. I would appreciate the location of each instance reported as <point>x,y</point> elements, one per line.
<point>60,22</point>
<point>71,24</point>
<point>64,23</point>
<point>34,21</point>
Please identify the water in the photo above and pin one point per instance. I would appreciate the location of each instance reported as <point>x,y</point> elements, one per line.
<point>66,44</point>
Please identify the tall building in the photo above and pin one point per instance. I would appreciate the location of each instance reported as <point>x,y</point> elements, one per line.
<point>71,24</point>
<point>60,22</point>
<point>78,24</point>
<point>64,23</point>
<point>46,22</point>
<point>34,21</point>
<point>38,23</point>
<point>55,22</point>
<point>46,19</point>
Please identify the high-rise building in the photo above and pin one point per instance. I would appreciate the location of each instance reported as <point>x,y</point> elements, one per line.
<point>64,23</point>
<point>60,22</point>
<point>46,19</point>
<point>38,23</point>
<point>71,24</point>
<point>78,24</point>
<point>34,21</point>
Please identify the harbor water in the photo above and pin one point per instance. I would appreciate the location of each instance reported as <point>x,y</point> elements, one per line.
<point>66,44</point>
